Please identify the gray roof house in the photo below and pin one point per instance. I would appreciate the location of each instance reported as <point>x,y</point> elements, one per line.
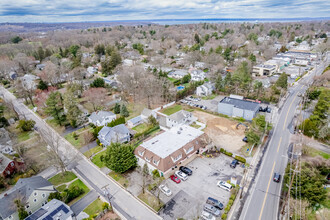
<point>179,118</point>
<point>146,113</point>
<point>53,210</point>
<point>33,193</point>
<point>205,89</point>
<point>116,134</point>
<point>134,122</point>
<point>238,108</point>
<point>101,118</point>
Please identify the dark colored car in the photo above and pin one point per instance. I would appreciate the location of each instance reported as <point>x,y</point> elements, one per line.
<point>277,177</point>
<point>234,163</point>
<point>215,203</point>
<point>186,170</point>
<point>268,109</point>
<point>261,109</point>
<point>175,179</point>
<point>245,139</point>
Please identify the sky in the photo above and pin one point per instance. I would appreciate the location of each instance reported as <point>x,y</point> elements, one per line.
<point>112,10</point>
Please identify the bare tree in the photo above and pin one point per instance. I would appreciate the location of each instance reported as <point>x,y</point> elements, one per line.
<point>97,97</point>
<point>23,62</point>
<point>6,65</point>
<point>50,74</point>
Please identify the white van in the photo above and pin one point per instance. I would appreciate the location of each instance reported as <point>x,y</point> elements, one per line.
<point>224,185</point>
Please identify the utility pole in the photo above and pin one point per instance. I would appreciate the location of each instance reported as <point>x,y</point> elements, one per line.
<point>107,193</point>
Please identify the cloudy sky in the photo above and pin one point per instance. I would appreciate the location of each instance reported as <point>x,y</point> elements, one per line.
<point>109,10</point>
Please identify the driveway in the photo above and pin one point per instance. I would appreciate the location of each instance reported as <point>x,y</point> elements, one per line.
<point>189,196</point>
<point>82,203</point>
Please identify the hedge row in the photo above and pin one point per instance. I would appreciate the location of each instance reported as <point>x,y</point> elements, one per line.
<point>239,158</point>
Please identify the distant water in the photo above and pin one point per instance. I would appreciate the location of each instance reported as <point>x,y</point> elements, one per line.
<point>230,20</point>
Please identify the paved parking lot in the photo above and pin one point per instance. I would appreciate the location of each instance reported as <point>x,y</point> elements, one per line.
<point>211,104</point>
<point>189,196</point>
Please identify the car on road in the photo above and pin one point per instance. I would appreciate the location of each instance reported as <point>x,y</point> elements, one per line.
<point>175,179</point>
<point>277,177</point>
<point>165,190</point>
<point>215,203</point>
<point>224,185</point>
<point>186,170</point>
<point>245,139</point>
<point>233,164</point>
<point>204,108</point>
<point>211,209</point>
<point>181,175</point>
<point>207,216</point>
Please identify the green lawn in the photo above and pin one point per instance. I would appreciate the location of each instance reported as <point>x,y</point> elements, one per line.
<point>140,128</point>
<point>194,125</point>
<point>313,153</point>
<point>55,126</point>
<point>80,184</point>
<point>94,208</point>
<point>61,188</point>
<point>92,151</point>
<point>25,135</point>
<point>209,97</point>
<point>119,178</point>
<point>79,142</point>
<point>172,109</point>
<point>60,178</point>
<point>151,200</point>
<point>97,159</point>
<point>171,79</point>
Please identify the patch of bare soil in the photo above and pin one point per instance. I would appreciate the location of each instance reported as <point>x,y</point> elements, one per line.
<point>222,131</point>
<point>110,216</point>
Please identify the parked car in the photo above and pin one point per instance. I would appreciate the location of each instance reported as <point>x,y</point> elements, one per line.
<point>165,190</point>
<point>261,109</point>
<point>211,209</point>
<point>277,177</point>
<point>245,139</point>
<point>224,185</point>
<point>186,170</point>
<point>175,179</point>
<point>234,163</point>
<point>215,203</point>
<point>268,109</point>
<point>181,175</point>
<point>204,108</point>
<point>207,216</point>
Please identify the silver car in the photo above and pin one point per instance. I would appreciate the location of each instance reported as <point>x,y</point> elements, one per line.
<point>211,209</point>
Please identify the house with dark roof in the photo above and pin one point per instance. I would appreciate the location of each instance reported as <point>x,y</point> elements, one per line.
<point>235,107</point>
<point>53,210</point>
<point>32,192</point>
<point>116,134</point>
<point>101,118</point>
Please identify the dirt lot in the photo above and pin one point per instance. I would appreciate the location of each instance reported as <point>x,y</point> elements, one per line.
<point>222,131</point>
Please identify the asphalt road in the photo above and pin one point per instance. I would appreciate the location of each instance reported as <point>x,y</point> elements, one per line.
<point>263,202</point>
<point>126,204</point>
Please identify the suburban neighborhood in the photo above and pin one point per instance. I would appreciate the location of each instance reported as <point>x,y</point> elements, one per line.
<point>159,121</point>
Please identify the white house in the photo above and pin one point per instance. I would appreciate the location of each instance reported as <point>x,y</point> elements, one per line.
<point>197,75</point>
<point>177,74</point>
<point>205,89</point>
<point>101,118</point>
<point>134,122</point>
<point>146,113</point>
<point>116,134</point>
<point>179,118</point>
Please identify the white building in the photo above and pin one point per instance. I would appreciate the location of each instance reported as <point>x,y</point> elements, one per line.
<point>205,90</point>
<point>101,118</point>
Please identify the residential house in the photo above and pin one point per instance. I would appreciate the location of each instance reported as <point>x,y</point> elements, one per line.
<point>128,62</point>
<point>6,145</point>
<point>101,118</point>
<point>91,70</point>
<point>116,134</point>
<point>177,74</point>
<point>179,118</point>
<point>171,148</point>
<point>197,75</point>
<point>8,167</point>
<point>32,192</point>
<point>41,66</point>
<point>205,89</point>
<point>263,70</point>
<point>53,210</point>
<point>146,113</point>
<point>28,81</point>
<point>134,122</point>
<point>234,107</point>
<point>200,65</point>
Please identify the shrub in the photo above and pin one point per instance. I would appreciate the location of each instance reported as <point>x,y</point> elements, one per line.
<point>72,193</point>
<point>230,203</point>
<point>98,142</point>
<point>105,206</point>
<point>155,174</point>
<point>75,136</point>
<point>241,159</point>
<point>118,121</point>
<point>222,150</point>
<point>228,153</point>
<point>26,125</point>
<point>96,131</point>
<point>55,195</point>
<point>227,209</point>
<point>224,216</point>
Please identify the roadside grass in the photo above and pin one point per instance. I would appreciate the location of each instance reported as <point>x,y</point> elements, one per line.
<point>119,178</point>
<point>79,142</point>
<point>171,109</point>
<point>151,200</point>
<point>171,79</point>
<point>94,208</point>
<point>314,152</point>
<point>210,97</point>
<point>140,128</point>
<point>25,135</point>
<point>97,159</point>
<point>61,178</point>
<point>194,125</point>
<point>55,126</point>
<point>81,185</point>
<point>92,151</point>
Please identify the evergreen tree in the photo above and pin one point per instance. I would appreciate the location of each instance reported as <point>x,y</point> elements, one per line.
<point>99,82</point>
<point>115,58</point>
<point>120,157</point>
<point>42,85</point>
<point>282,81</point>
<point>55,107</point>
<point>123,111</point>
<point>117,108</point>
<point>71,105</point>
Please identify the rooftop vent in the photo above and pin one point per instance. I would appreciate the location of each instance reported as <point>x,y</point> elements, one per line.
<point>179,132</point>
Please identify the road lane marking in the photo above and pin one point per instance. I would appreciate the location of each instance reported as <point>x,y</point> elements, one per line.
<point>286,117</point>
<point>279,144</point>
<point>263,204</point>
